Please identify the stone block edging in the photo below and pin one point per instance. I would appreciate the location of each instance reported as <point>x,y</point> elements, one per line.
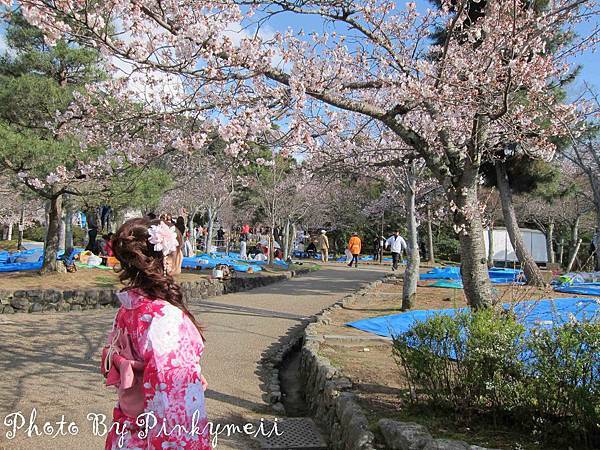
<point>339,411</point>
<point>326,387</point>
<point>55,300</point>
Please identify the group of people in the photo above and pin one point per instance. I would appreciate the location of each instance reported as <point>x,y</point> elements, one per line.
<point>395,243</point>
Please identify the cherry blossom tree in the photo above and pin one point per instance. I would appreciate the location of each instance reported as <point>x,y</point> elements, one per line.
<point>450,102</point>
<point>18,209</point>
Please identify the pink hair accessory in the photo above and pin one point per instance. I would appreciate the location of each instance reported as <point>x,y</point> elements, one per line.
<point>164,238</point>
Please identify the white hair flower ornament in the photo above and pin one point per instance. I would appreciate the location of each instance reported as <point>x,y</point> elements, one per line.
<point>164,238</point>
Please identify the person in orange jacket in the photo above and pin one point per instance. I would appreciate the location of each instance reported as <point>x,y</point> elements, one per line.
<point>355,246</point>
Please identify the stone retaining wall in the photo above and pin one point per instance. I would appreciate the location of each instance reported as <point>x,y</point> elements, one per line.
<point>338,410</point>
<point>44,300</point>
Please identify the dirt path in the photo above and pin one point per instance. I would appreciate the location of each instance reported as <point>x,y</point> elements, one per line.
<point>51,361</point>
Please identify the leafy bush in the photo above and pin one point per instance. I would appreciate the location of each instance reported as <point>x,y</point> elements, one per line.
<point>547,381</point>
<point>456,361</point>
<point>564,374</point>
<point>38,233</point>
<point>35,233</point>
<point>447,246</point>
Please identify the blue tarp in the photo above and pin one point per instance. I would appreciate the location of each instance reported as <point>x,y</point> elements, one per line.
<point>497,274</point>
<point>533,314</point>
<point>18,267</point>
<point>28,259</point>
<point>210,262</point>
<point>580,288</point>
<point>453,284</point>
<point>442,273</point>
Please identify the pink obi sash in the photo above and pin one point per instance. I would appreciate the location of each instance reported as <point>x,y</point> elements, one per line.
<point>123,370</point>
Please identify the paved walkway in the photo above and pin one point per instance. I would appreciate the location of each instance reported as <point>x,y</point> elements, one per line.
<point>51,362</point>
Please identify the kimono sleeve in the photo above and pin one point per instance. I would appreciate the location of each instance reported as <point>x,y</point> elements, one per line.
<point>175,414</point>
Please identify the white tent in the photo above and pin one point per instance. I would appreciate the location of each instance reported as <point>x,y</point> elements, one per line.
<point>534,240</point>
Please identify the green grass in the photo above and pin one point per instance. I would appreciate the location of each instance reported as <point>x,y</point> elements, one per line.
<point>10,246</point>
<point>102,281</point>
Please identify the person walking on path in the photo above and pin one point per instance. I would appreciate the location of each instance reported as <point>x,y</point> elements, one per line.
<point>397,244</point>
<point>153,351</point>
<point>324,246</point>
<point>355,246</point>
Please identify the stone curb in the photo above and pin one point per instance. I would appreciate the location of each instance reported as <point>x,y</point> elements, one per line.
<point>340,412</point>
<point>55,300</point>
<point>330,404</point>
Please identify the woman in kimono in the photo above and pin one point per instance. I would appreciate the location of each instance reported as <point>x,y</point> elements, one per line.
<point>154,348</point>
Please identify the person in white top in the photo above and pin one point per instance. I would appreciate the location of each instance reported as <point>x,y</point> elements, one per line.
<point>397,244</point>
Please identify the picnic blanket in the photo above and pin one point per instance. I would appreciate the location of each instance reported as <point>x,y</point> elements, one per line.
<point>497,275</point>
<point>580,288</point>
<point>532,314</point>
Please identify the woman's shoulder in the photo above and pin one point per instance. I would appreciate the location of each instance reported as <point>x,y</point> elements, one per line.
<point>160,308</point>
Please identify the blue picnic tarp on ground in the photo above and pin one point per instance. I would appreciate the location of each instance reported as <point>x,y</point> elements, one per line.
<point>580,288</point>
<point>442,273</point>
<point>497,274</point>
<point>532,314</point>
<point>206,261</point>
<point>26,260</point>
<point>453,284</point>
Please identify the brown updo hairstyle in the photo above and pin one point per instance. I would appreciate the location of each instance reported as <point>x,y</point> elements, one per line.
<point>143,268</point>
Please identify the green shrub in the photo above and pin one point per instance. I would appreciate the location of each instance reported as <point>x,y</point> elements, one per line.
<point>447,247</point>
<point>457,361</point>
<point>547,382</point>
<point>564,374</point>
<point>38,233</point>
<point>35,233</point>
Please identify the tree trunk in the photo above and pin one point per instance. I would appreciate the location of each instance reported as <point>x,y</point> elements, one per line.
<point>430,236</point>
<point>21,228</point>
<point>467,223</point>
<point>561,251</point>
<point>574,237</point>
<point>272,242</point>
<point>68,229</point>
<point>292,238</point>
<point>62,235</point>
<point>192,227</point>
<point>52,236</point>
<point>286,240</point>
<point>490,255</point>
<point>411,273</point>
<point>533,274</point>
<point>574,256</point>
<point>209,233</point>
<point>9,232</point>
<point>549,242</point>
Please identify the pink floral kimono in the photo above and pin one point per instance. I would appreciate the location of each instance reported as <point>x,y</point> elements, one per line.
<point>153,358</point>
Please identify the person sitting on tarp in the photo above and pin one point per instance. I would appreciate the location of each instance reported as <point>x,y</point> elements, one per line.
<point>106,245</point>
